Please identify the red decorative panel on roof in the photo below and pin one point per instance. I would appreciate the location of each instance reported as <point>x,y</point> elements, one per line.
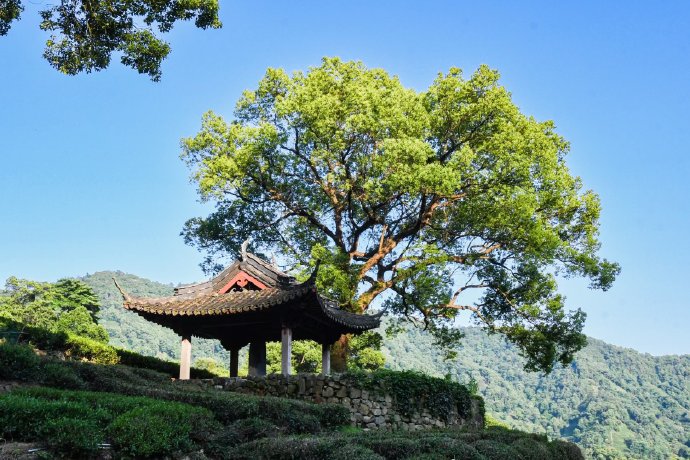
<point>240,282</point>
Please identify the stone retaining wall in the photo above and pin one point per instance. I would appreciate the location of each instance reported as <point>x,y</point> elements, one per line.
<point>369,409</point>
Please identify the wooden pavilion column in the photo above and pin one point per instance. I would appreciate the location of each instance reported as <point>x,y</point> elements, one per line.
<point>325,358</point>
<point>185,356</point>
<point>286,349</point>
<point>234,361</point>
<point>257,358</point>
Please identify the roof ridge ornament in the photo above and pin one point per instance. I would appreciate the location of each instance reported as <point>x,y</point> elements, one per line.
<point>312,277</point>
<point>126,297</point>
<point>243,249</point>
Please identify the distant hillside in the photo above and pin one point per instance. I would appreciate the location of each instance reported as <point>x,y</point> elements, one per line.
<point>131,331</point>
<point>613,402</point>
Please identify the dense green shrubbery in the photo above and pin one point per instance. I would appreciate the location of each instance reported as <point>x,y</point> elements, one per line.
<point>76,422</point>
<point>72,345</point>
<point>129,358</point>
<point>295,416</point>
<point>413,390</point>
<point>74,437</point>
<point>425,445</point>
<point>83,348</point>
<point>161,429</point>
<point>302,447</point>
<point>17,362</point>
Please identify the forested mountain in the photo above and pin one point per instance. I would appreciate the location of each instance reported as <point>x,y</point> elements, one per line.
<point>131,331</point>
<point>614,402</point>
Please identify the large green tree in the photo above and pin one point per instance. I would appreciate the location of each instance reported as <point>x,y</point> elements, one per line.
<point>85,33</point>
<point>67,306</point>
<point>427,203</point>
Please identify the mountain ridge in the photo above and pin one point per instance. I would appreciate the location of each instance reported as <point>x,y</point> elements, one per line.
<point>615,402</point>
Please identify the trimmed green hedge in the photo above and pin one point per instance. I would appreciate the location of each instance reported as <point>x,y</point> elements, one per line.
<point>74,423</point>
<point>82,348</point>
<point>129,358</point>
<point>20,363</point>
<point>161,429</point>
<point>423,445</point>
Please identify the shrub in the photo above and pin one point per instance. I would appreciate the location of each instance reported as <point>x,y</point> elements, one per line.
<point>61,376</point>
<point>90,350</point>
<point>301,447</point>
<point>23,417</point>
<point>72,436</point>
<point>333,415</point>
<point>397,447</point>
<point>531,449</point>
<point>239,432</point>
<point>169,368</point>
<point>159,429</point>
<point>254,428</point>
<point>18,362</point>
<point>80,322</point>
<point>566,450</point>
<point>495,450</point>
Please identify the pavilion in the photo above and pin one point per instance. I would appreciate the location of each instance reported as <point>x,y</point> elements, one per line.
<point>251,302</point>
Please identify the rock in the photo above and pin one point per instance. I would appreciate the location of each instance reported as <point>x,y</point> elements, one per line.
<point>328,392</point>
<point>364,409</point>
<point>380,420</point>
<point>365,394</point>
<point>302,385</point>
<point>355,393</point>
<point>342,392</point>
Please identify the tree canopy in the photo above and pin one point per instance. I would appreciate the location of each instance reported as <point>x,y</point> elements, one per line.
<point>85,33</point>
<point>424,203</point>
<point>67,306</point>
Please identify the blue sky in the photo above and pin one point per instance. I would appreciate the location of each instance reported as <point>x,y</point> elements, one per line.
<point>91,179</point>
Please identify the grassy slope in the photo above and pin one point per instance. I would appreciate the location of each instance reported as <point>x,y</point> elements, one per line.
<point>612,401</point>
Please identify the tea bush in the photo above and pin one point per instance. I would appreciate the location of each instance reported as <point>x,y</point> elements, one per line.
<point>160,429</point>
<point>172,369</point>
<point>18,362</point>
<point>74,437</point>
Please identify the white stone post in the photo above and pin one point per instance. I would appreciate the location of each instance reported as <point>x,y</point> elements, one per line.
<point>185,357</point>
<point>325,359</point>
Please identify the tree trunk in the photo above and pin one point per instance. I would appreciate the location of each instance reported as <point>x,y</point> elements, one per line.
<point>339,352</point>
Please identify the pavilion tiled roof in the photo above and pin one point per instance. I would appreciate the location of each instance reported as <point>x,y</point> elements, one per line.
<point>203,299</point>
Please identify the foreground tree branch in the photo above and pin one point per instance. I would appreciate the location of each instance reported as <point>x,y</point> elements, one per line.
<point>86,33</point>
